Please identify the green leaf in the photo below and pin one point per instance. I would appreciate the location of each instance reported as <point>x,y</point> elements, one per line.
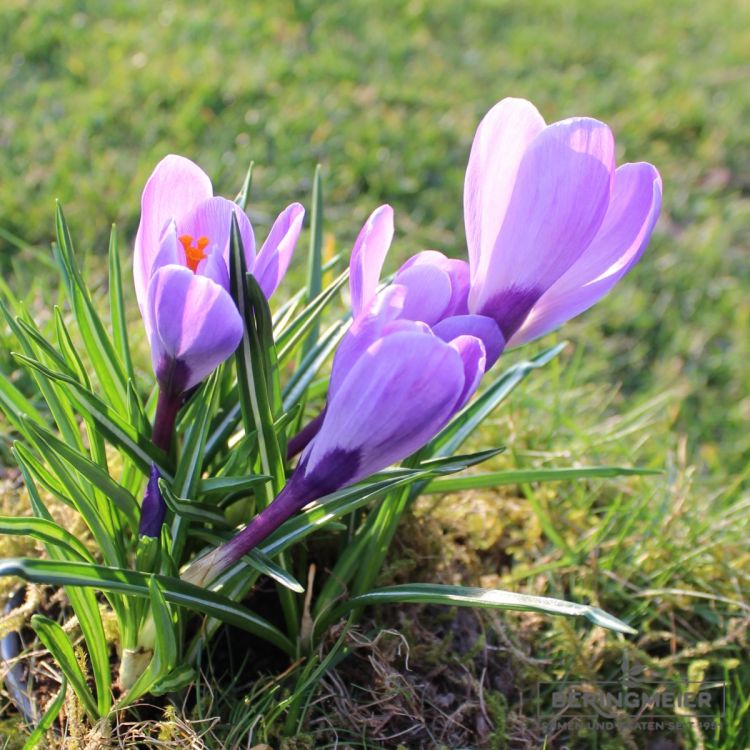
<point>115,429</point>
<point>522,476</point>
<point>99,347</point>
<point>178,679</point>
<point>234,485</point>
<point>296,388</point>
<point>253,389</point>
<point>189,509</point>
<point>82,601</point>
<point>57,643</point>
<point>188,474</point>
<point>450,438</point>
<point>117,306</point>
<point>299,329</point>
<point>92,472</point>
<point>244,194</point>
<point>119,580</point>
<point>14,404</point>
<point>315,256</point>
<point>466,596</point>
<point>60,409</point>
<point>51,712</point>
<point>165,648</point>
<point>45,531</point>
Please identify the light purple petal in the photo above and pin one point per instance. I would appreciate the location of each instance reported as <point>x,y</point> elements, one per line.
<point>428,292</point>
<point>458,272</point>
<point>399,393</point>
<point>276,253</point>
<point>617,247</point>
<point>480,327</point>
<point>214,267</point>
<point>368,256</point>
<point>171,252</point>
<point>174,187</point>
<point>471,350</point>
<point>366,329</point>
<point>194,327</point>
<point>500,142</point>
<point>212,219</point>
<point>561,194</point>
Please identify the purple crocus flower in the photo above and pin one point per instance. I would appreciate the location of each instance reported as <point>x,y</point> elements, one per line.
<point>181,271</point>
<point>434,291</point>
<point>393,387</point>
<point>551,224</point>
<point>181,275</point>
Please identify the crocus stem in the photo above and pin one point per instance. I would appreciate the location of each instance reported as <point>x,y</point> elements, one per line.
<point>153,507</point>
<point>286,504</point>
<point>167,407</point>
<point>299,442</point>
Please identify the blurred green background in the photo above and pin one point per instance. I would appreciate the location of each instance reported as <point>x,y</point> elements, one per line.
<point>386,96</point>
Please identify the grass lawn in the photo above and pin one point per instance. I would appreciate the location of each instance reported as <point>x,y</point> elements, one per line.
<point>386,96</point>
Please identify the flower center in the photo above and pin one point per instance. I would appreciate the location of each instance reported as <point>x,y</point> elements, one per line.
<point>193,253</point>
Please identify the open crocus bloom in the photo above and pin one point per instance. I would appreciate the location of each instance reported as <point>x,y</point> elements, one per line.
<point>551,225</point>
<point>386,399</point>
<point>181,270</point>
<point>434,291</point>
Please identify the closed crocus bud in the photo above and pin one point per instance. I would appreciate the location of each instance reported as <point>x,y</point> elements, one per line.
<point>181,275</point>
<point>385,402</point>
<point>551,225</point>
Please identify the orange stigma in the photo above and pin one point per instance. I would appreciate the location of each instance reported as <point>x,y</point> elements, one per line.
<point>193,254</point>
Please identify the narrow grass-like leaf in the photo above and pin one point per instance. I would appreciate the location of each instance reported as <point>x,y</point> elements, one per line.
<point>315,255</point>
<point>164,658</point>
<point>115,429</point>
<point>45,723</point>
<point>253,390</point>
<point>522,476</point>
<point>119,580</point>
<point>96,341</point>
<point>14,404</point>
<point>188,474</point>
<point>57,643</point>
<point>466,596</point>
<point>230,485</point>
<point>47,532</point>
<point>60,409</point>
<point>117,306</point>
<point>300,328</point>
<point>255,559</point>
<point>296,387</point>
<point>92,472</point>
<point>190,510</point>
<point>450,438</point>
<point>99,347</point>
<point>244,194</point>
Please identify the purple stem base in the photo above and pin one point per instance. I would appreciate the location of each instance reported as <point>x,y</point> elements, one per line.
<point>153,508</point>
<point>299,442</point>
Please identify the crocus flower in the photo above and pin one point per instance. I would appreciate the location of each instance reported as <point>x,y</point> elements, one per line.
<point>181,275</point>
<point>434,291</point>
<point>181,271</point>
<point>551,224</point>
<point>391,391</point>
